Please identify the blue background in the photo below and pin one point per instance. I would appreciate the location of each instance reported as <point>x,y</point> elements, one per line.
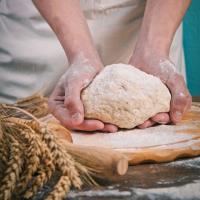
<point>191,41</point>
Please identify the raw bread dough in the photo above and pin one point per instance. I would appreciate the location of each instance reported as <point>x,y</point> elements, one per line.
<point>125,96</point>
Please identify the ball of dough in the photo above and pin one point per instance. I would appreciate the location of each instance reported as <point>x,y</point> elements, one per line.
<point>125,96</point>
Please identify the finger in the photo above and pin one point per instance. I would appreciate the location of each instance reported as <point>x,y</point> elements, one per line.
<point>161,118</point>
<point>57,108</point>
<point>90,125</point>
<point>143,125</point>
<point>146,124</point>
<point>62,114</point>
<point>73,102</point>
<point>180,98</point>
<point>179,104</point>
<point>110,128</point>
<point>87,125</point>
<point>65,119</point>
<point>56,97</point>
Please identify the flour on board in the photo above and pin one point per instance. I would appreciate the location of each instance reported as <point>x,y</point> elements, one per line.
<point>136,138</point>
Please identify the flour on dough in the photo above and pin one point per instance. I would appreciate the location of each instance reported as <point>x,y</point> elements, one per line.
<point>125,96</point>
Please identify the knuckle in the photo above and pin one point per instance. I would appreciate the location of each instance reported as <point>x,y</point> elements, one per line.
<point>180,99</point>
<point>177,84</point>
<point>69,101</point>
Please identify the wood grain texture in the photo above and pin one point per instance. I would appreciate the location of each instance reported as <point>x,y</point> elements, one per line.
<point>157,144</point>
<point>102,162</point>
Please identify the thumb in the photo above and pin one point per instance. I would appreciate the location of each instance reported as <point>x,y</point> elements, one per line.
<point>73,103</point>
<point>177,110</point>
<point>179,99</point>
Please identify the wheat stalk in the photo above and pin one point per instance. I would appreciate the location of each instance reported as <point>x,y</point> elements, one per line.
<point>61,189</point>
<point>14,167</point>
<point>35,104</point>
<point>4,151</point>
<point>62,159</point>
<point>31,145</point>
<point>32,160</point>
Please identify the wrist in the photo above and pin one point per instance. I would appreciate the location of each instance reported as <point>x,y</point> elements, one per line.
<point>155,63</point>
<point>147,47</point>
<point>144,56</point>
<point>82,59</point>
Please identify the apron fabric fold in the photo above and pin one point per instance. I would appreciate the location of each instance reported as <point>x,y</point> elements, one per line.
<point>32,58</point>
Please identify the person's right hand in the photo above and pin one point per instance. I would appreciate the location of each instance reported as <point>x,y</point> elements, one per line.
<point>65,101</point>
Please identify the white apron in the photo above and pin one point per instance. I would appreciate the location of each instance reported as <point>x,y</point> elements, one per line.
<point>32,58</point>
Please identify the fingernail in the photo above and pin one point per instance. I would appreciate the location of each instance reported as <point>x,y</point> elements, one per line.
<point>76,116</point>
<point>178,115</point>
<point>161,122</point>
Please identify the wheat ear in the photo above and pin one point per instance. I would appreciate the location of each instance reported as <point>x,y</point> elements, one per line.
<point>62,159</point>
<point>44,171</point>
<point>14,167</point>
<point>61,189</point>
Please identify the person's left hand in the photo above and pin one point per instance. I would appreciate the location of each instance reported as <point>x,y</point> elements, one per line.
<point>163,68</point>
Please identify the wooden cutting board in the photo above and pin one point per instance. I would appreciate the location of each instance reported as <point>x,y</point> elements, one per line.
<point>162,143</point>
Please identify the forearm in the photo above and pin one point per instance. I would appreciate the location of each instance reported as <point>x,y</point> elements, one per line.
<point>161,20</point>
<point>68,22</point>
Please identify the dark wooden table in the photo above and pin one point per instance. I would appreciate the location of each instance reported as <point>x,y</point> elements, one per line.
<point>174,181</point>
<point>179,180</point>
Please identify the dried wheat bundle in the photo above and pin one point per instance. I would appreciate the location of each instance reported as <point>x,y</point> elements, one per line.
<point>30,154</point>
<point>35,104</point>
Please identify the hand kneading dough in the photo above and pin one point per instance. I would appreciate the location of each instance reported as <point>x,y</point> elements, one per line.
<point>125,96</point>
